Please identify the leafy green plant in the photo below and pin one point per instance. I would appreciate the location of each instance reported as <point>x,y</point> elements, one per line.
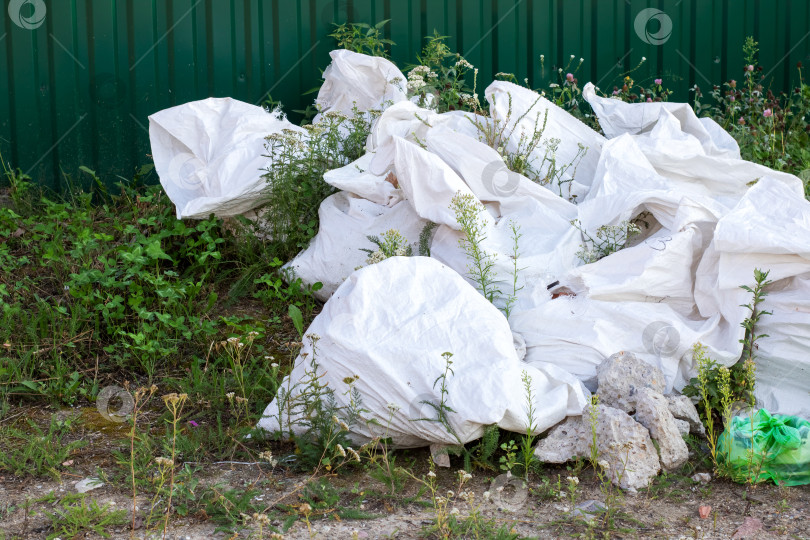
<point>362,38</point>
<point>528,438</point>
<point>606,240</point>
<point>772,129</point>
<point>280,288</point>
<point>485,449</point>
<point>718,387</point>
<point>438,81</point>
<point>426,236</point>
<point>481,265</point>
<point>295,185</point>
<point>309,414</point>
<point>380,458</point>
<point>521,153</point>
<point>758,293</point>
<point>509,458</point>
<point>390,244</point>
<point>515,255</point>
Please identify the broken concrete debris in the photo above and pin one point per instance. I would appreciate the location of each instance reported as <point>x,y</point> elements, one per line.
<point>624,443</point>
<point>621,376</point>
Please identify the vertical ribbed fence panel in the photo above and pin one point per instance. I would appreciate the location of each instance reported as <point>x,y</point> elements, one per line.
<point>79,78</point>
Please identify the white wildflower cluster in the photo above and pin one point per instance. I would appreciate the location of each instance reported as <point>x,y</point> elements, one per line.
<point>270,359</point>
<point>377,256</point>
<point>268,457</point>
<point>393,407</point>
<point>462,63</point>
<point>470,100</point>
<point>340,423</point>
<point>391,244</point>
<point>336,116</point>
<point>417,76</point>
<point>164,462</point>
<point>262,520</point>
<point>287,138</point>
<point>315,130</point>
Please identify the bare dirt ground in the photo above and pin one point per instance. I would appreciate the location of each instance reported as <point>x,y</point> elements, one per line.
<point>669,509</point>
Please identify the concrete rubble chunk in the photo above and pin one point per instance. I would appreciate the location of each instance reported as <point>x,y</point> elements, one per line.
<point>565,441</point>
<point>683,427</point>
<point>653,413</point>
<point>622,375</point>
<point>624,445</point>
<point>682,408</point>
<point>703,477</point>
<point>588,511</point>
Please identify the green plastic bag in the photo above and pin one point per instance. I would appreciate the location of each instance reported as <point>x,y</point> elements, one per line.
<point>781,449</point>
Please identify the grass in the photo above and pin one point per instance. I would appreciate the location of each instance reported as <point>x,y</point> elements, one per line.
<point>80,514</point>
<point>34,451</point>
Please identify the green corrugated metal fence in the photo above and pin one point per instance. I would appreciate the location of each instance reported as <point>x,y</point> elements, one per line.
<point>78,78</point>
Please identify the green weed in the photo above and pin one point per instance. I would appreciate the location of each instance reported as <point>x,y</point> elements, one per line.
<point>35,451</point>
<point>80,514</point>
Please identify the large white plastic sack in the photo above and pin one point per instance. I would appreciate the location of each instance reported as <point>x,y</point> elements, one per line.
<point>390,324</point>
<point>361,81</point>
<point>210,155</point>
<point>346,222</point>
<point>528,112</point>
<point>783,363</point>
<point>755,235</point>
<point>617,117</point>
<point>358,180</point>
<point>408,121</point>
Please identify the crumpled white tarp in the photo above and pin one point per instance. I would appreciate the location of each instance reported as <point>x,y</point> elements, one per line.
<point>708,219</point>
<point>353,80</point>
<point>617,117</point>
<point>210,155</point>
<point>768,230</point>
